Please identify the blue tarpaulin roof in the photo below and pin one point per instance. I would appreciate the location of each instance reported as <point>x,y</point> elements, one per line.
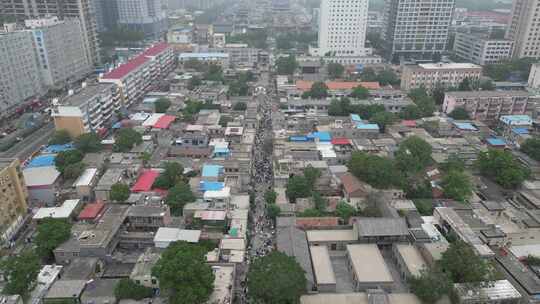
<point>493,141</point>
<point>211,170</point>
<point>363,126</point>
<point>298,138</point>
<point>221,150</point>
<point>356,118</point>
<point>211,186</point>
<point>465,126</point>
<point>520,130</point>
<point>58,148</point>
<point>322,136</point>
<point>42,161</point>
<point>117,125</point>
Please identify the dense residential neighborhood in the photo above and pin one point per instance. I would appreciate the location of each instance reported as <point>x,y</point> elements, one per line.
<point>269,151</point>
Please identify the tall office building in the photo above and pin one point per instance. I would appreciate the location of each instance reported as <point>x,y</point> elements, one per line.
<point>82,9</point>
<point>524,28</point>
<point>416,29</point>
<point>60,50</point>
<point>20,78</point>
<point>106,12</point>
<point>143,15</point>
<point>342,27</point>
<point>13,199</point>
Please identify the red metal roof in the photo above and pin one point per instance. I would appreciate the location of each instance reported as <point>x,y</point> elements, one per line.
<point>310,222</point>
<point>145,181</point>
<point>91,211</point>
<point>136,62</point>
<point>340,141</point>
<point>164,121</point>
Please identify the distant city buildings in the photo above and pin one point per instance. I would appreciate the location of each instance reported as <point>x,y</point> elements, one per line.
<point>523,28</point>
<point>480,49</point>
<point>416,29</point>
<point>146,16</point>
<point>431,75</point>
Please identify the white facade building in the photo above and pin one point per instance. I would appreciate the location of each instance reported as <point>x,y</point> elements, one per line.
<point>481,50</point>
<point>523,28</point>
<point>534,76</point>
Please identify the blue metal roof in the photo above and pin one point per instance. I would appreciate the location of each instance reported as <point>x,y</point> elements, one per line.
<point>493,141</point>
<point>211,170</point>
<point>465,126</point>
<point>42,161</point>
<point>363,126</point>
<point>516,119</point>
<point>211,186</point>
<point>356,118</point>
<point>298,138</point>
<point>322,136</point>
<point>520,131</point>
<point>58,148</point>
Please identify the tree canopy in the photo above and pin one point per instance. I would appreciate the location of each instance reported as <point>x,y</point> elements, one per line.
<point>385,77</point>
<point>88,143</point>
<point>502,167</point>
<point>335,70</point>
<point>379,172</point>
<point>21,272</point>
<point>431,285</point>
<point>345,211</point>
<point>513,68</point>
<point>126,139</point>
<point>172,174</point>
<point>286,65</point>
<point>457,185</point>
<point>424,102</point>
<point>60,137</point>
<point>240,106</point>
<point>413,155</point>
<point>383,119</point>
<point>270,197</point>
<point>531,147</point>
<point>119,192</point>
<point>276,278</point>
<point>359,92</point>
<point>318,90</point>
<point>67,158</point>
<point>162,105</point>
<point>50,234</point>
<point>463,264</point>
<point>298,186</point>
<point>178,196</point>
<point>311,174</point>
<point>183,273</point>
<point>128,289</point>
<point>459,113</point>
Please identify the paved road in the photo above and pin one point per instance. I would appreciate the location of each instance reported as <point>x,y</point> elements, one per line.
<point>31,143</point>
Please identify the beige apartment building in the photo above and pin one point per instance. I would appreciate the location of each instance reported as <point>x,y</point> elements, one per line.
<point>13,198</point>
<point>523,28</point>
<point>432,74</point>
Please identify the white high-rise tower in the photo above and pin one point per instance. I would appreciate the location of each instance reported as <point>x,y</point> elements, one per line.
<point>342,27</point>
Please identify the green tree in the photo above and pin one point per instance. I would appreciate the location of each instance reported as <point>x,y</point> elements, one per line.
<point>214,72</point>
<point>417,93</point>
<point>318,90</point>
<point>359,92</point>
<point>413,155</point>
<point>457,185</point>
<point>454,162</point>
<point>193,63</point>
<point>310,212</point>
<point>431,285</point>
<point>388,77</point>
<point>502,167</point>
<point>335,70</point>
<point>373,203</point>
<point>379,172</point>
<point>411,112</point>
<point>531,147</point>
<point>286,65</point>
<point>297,187</point>
<point>345,211</point>
<point>463,264</point>
<point>339,107</point>
<point>465,85</point>
<point>487,85</point>
<point>240,106</point>
<point>88,143</point>
<point>145,157</point>
<point>162,105</point>
<point>368,74</point>
<point>311,174</point>
<point>383,119</point>
<point>438,93</point>
<point>178,196</point>
<point>459,113</point>
<point>126,139</point>
<point>193,83</point>
<point>319,201</point>
<point>276,278</point>
<point>270,197</point>
<point>72,171</point>
<point>183,274</point>
<point>21,272</point>
<point>119,192</point>
<point>172,174</point>
<point>60,137</point>
<point>50,234</point>
<point>426,105</point>
<point>128,289</point>
<point>67,158</point>
<point>273,211</point>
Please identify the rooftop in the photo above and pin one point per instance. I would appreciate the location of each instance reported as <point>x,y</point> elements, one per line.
<point>128,67</point>
<point>305,85</point>
<point>40,176</point>
<point>62,212</point>
<point>145,181</point>
<point>66,289</point>
<point>487,94</point>
<point>441,66</point>
<point>91,211</point>
<point>322,266</point>
<point>86,177</point>
<point>412,258</point>
<point>87,93</point>
<point>370,226</point>
<point>368,263</point>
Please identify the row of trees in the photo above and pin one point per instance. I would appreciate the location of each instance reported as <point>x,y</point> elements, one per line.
<point>69,163</point>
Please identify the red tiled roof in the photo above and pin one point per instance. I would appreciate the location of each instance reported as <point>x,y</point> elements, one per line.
<point>409,123</point>
<point>164,121</point>
<point>340,141</point>
<point>145,181</point>
<point>305,85</point>
<point>351,183</point>
<point>91,211</point>
<point>136,62</point>
<point>308,222</point>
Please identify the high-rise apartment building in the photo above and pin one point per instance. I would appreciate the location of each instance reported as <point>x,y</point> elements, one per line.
<point>60,50</point>
<point>431,75</point>
<point>106,12</point>
<point>143,15</point>
<point>342,27</point>
<point>416,29</point>
<point>481,49</point>
<point>13,199</point>
<point>524,28</point>
<point>20,78</point>
<point>82,9</point>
